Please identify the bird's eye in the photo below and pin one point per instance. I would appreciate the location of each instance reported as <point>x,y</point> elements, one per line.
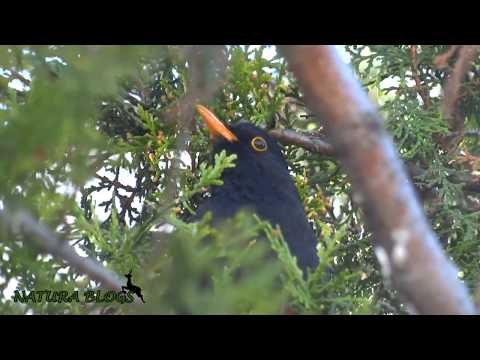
<point>259,144</point>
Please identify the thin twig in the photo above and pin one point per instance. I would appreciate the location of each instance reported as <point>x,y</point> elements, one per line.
<point>308,142</point>
<point>115,182</point>
<point>16,75</point>
<point>472,133</point>
<point>317,145</point>
<point>48,242</point>
<point>416,75</point>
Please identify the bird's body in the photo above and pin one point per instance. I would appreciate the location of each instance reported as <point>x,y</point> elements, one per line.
<point>260,182</point>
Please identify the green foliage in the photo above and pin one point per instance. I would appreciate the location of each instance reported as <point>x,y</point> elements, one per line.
<point>416,126</point>
<point>210,175</point>
<point>207,270</point>
<point>87,149</point>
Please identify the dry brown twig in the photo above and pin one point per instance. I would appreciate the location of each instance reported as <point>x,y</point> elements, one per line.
<point>406,247</point>
<point>309,142</point>
<point>422,91</point>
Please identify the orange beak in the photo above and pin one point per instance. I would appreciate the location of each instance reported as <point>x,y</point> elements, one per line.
<point>215,126</point>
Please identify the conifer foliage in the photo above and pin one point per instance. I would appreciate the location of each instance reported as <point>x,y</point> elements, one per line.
<point>104,161</point>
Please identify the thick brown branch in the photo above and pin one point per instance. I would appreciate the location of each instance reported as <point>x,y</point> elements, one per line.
<point>441,61</point>
<point>406,247</point>
<point>452,88</point>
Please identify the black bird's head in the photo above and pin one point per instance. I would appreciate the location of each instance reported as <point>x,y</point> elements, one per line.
<point>260,166</point>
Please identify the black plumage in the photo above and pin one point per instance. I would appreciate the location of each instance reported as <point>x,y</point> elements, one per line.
<point>261,182</point>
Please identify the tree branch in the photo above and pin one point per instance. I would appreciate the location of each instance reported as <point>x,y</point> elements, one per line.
<point>307,141</point>
<point>406,247</point>
<point>315,144</point>
<point>47,241</point>
<point>472,133</point>
<point>207,65</point>
<point>105,181</point>
<point>416,75</point>
<point>16,75</point>
<point>452,96</point>
<point>441,61</point>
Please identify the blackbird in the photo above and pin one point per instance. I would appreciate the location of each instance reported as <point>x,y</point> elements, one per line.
<point>260,182</point>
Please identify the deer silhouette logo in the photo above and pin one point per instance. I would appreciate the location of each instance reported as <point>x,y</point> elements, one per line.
<point>132,288</point>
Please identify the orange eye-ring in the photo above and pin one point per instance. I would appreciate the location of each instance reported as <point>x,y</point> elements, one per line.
<point>259,144</point>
